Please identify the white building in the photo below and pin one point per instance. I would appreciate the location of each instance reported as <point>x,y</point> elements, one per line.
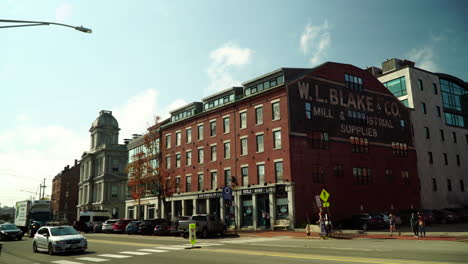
<point>440,125</point>
<point>103,180</point>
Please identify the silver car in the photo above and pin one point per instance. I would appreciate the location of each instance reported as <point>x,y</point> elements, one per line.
<point>108,224</point>
<point>55,239</point>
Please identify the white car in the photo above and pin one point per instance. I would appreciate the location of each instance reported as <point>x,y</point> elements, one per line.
<point>55,239</point>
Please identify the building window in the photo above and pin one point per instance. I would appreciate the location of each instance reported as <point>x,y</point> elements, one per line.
<point>423,107</point>
<point>428,134</point>
<point>243,120</point>
<point>458,160</point>
<point>178,138</point>
<point>454,120</point>
<point>434,185</point>
<point>227,177</point>
<point>399,149</point>
<point>226,127</point>
<point>200,182</point>
<point>168,141</point>
<point>353,82</point>
<point>318,175</point>
<point>244,147</point>
<point>227,150</point>
<point>462,186</point>
<point>308,110</point>
<point>200,132</point>
<point>435,88</point>
<point>188,183</point>
<point>357,117</point>
<point>452,94</point>
<point>389,175</point>
<point>114,190</point>
<point>200,156</point>
<point>177,184</point>
<point>405,176</point>
<point>168,162</point>
<point>420,85</point>
<point>245,176</point>
<point>259,115</point>
<point>449,185</point>
<point>177,157</point>
<point>338,170</point>
<point>261,173</point>
<point>438,111</point>
<point>454,136</point>
<point>431,160</point>
<point>319,140</point>
<point>188,158</point>
<point>445,159</point>
<point>277,139</point>
<point>214,180</point>
<point>397,87</point>
<point>279,171</point>
<point>359,145</point>
<point>403,125</point>
<point>362,176</point>
<point>213,128</point>
<point>405,102</point>
<point>275,111</point>
<point>188,135</point>
<point>442,136</point>
<point>213,153</point>
<point>259,139</point>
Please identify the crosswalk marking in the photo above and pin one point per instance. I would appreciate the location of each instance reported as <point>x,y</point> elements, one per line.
<point>65,262</point>
<point>170,248</point>
<point>134,253</point>
<point>93,259</point>
<point>113,256</point>
<point>152,250</point>
<point>248,240</point>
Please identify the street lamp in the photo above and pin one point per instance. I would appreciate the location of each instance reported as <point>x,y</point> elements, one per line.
<point>41,23</point>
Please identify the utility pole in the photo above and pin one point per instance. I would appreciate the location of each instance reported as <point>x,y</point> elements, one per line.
<point>43,186</point>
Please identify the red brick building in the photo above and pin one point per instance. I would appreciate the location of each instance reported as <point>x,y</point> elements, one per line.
<point>65,193</point>
<point>282,138</point>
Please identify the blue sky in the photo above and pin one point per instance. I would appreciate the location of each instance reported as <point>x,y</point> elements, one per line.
<point>145,58</point>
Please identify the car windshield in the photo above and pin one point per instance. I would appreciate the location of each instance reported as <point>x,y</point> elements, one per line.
<point>41,216</point>
<point>63,231</point>
<point>8,227</point>
<point>110,221</point>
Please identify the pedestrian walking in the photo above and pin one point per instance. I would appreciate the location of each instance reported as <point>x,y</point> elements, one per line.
<point>421,225</point>
<point>266,218</point>
<point>392,220</point>
<point>414,224</point>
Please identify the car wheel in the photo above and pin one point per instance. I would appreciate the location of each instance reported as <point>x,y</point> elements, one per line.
<point>204,233</point>
<point>35,247</point>
<point>50,249</point>
<point>364,226</point>
<point>223,232</point>
<point>20,237</point>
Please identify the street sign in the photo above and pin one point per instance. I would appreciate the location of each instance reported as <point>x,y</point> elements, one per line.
<point>324,195</point>
<point>193,233</point>
<point>227,193</point>
<point>318,201</point>
<point>326,204</point>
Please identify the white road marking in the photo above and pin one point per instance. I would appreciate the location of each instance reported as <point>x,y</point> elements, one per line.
<point>249,240</point>
<point>113,256</point>
<point>134,253</point>
<point>93,259</point>
<point>66,262</point>
<point>170,248</point>
<point>207,244</point>
<point>152,250</point>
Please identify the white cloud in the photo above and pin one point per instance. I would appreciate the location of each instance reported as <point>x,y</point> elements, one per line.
<point>62,12</point>
<point>223,60</point>
<point>315,40</point>
<point>171,107</point>
<point>424,58</point>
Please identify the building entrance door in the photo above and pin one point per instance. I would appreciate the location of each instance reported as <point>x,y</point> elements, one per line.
<point>215,207</point>
<point>263,210</point>
<point>178,208</point>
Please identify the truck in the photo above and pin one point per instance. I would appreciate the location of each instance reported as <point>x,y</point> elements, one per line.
<point>206,225</point>
<point>29,212</point>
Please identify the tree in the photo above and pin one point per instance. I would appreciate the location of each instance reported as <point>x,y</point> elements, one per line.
<point>147,176</point>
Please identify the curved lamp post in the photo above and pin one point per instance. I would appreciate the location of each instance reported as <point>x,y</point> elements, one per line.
<point>23,23</point>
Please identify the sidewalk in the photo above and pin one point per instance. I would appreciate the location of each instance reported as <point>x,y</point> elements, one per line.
<point>453,232</point>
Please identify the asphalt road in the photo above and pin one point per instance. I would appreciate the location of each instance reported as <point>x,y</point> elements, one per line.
<point>112,248</point>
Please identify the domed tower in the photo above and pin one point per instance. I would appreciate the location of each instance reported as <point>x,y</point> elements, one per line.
<point>104,130</point>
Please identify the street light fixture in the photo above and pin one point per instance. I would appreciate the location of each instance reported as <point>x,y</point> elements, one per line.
<point>23,23</point>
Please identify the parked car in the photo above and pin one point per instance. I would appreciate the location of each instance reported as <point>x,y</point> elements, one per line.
<point>405,215</point>
<point>206,225</point>
<point>97,228</point>
<point>162,227</point>
<point>364,221</point>
<point>461,213</point>
<point>55,239</point>
<point>428,216</point>
<point>175,224</point>
<point>10,231</point>
<point>445,216</point>
<point>108,225</point>
<point>88,219</point>
<point>120,225</point>
<point>133,227</point>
